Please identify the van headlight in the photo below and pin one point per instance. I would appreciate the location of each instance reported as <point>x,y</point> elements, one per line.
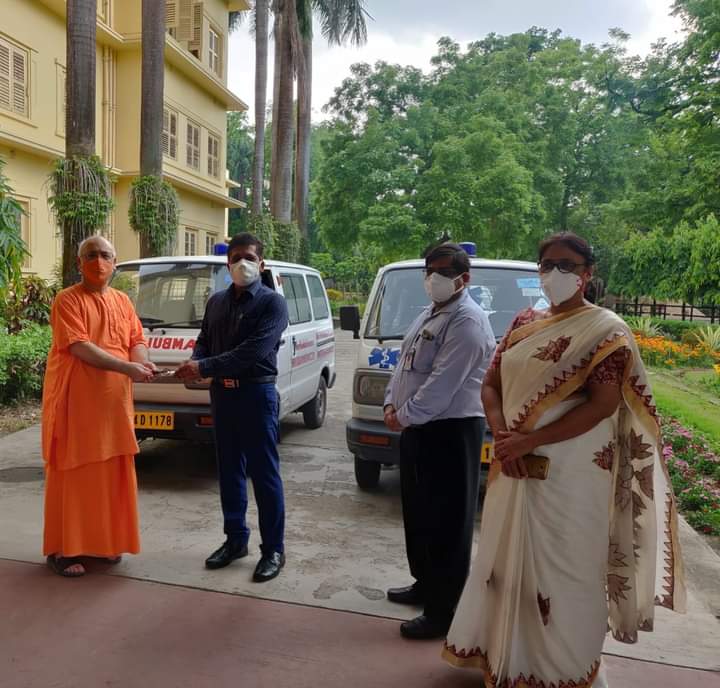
<point>369,388</point>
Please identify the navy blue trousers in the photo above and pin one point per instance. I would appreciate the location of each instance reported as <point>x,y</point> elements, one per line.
<point>246,430</point>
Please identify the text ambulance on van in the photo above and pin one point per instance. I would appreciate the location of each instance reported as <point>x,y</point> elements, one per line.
<point>501,287</point>
<point>170,294</point>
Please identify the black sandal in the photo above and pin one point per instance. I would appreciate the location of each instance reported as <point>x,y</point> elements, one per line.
<point>60,565</point>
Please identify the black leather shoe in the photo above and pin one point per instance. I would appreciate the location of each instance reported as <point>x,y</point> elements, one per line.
<point>424,628</point>
<point>226,554</point>
<point>408,595</point>
<point>268,567</point>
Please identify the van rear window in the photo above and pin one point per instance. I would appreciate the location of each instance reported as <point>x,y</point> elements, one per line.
<point>501,292</point>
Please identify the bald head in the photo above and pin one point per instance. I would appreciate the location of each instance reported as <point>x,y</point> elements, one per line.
<point>96,244</point>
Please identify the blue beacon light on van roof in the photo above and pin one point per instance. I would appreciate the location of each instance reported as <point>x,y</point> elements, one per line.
<point>469,248</point>
<point>220,249</point>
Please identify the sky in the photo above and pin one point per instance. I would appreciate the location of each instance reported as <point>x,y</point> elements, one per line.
<point>406,32</point>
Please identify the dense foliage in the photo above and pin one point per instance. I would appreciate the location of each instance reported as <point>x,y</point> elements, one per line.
<point>80,195</point>
<point>22,363</point>
<point>516,136</point>
<point>28,302</point>
<point>154,212</point>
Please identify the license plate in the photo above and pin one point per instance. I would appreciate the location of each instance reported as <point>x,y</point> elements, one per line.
<point>487,453</point>
<point>154,420</point>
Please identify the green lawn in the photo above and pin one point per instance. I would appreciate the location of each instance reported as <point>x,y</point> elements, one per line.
<point>679,394</point>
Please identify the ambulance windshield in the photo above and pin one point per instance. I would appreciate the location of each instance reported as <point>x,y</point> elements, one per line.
<point>501,292</point>
<point>171,294</point>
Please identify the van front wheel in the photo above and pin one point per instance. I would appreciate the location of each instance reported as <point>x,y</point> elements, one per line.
<point>367,473</point>
<point>314,411</point>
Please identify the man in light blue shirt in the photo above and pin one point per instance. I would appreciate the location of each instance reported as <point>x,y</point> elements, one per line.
<point>434,399</point>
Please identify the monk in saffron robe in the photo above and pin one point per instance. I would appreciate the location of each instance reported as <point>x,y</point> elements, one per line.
<point>88,437</point>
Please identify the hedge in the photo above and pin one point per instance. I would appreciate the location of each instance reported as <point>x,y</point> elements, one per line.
<point>22,363</point>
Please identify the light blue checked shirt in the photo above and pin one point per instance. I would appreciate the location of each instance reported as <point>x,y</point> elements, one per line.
<point>442,363</point>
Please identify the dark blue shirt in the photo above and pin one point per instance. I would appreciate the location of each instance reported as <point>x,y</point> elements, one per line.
<point>240,335</point>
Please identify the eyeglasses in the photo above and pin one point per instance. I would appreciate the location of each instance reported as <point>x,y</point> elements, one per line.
<point>445,272</point>
<point>94,255</point>
<point>565,266</point>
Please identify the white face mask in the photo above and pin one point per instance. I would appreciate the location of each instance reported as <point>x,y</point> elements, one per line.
<point>559,287</point>
<point>244,272</point>
<point>440,288</point>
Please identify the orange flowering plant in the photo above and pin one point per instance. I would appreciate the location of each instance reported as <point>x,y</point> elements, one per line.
<point>664,353</point>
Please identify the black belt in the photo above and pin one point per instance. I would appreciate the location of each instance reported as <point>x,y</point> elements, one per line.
<point>233,383</point>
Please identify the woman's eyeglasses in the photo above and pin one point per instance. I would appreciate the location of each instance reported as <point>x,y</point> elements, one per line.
<point>564,266</point>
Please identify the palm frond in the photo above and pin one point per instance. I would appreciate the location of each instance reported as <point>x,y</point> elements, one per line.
<point>343,20</point>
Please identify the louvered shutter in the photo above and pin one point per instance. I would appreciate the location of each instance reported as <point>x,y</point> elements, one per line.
<point>172,14</point>
<point>173,135</point>
<point>197,28</point>
<point>5,89</point>
<point>19,67</point>
<point>185,21</point>
<point>165,138</point>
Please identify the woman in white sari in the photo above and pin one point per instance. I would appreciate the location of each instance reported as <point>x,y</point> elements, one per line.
<point>562,560</point>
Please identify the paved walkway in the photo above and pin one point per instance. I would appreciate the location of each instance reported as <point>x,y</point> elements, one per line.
<point>107,631</point>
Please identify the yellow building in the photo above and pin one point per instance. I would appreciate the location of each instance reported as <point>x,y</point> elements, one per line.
<point>32,115</point>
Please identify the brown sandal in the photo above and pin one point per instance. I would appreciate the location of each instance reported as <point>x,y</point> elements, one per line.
<point>60,565</point>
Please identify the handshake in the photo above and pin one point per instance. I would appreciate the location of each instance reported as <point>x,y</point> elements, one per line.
<point>148,371</point>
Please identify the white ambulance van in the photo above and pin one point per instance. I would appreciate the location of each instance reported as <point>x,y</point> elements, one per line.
<point>500,287</point>
<point>170,294</point>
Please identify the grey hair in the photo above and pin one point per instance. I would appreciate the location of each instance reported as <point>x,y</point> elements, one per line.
<point>85,242</point>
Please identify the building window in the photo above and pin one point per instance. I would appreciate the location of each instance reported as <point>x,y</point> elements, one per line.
<point>169,133</point>
<point>190,242</point>
<point>215,52</point>
<point>193,146</point>
<point>210,241</point>
<point>14,79</point>
<point>60,100</point>
<point>213,156</point>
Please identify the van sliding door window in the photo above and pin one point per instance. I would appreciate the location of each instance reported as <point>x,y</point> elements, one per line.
<point>317,294</point>
<point>297,298</point>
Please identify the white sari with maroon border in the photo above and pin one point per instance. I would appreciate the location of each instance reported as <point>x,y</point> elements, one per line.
<point>592,548</point>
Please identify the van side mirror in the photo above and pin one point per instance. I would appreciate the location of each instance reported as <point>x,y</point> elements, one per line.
<point>350,320</point>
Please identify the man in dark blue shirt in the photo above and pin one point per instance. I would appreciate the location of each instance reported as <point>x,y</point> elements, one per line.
<point>237,347</point>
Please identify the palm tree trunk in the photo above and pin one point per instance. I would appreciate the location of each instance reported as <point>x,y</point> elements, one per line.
<point>152,90</point>
<point>281,194</point>
<point>304,131</point>
<point>261,69</point>
<point>80,111</point>
<point>152,96</point>
<point>80,78</point>
<point>277,35</point>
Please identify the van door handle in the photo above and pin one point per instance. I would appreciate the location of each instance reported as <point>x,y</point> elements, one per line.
<point>294,343</point>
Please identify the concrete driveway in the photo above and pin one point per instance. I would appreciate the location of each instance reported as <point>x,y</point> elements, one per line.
<point>344,546</point>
